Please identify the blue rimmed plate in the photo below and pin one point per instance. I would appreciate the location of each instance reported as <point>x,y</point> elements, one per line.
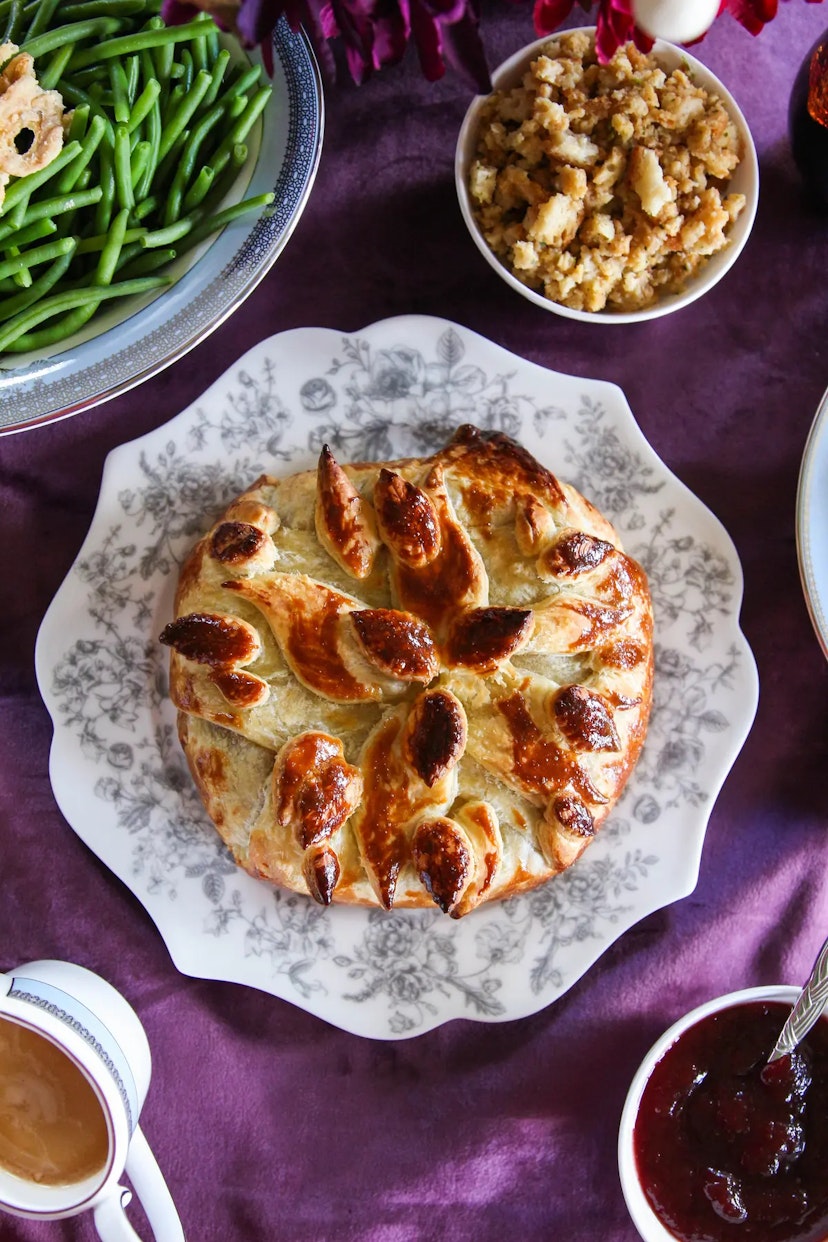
<point>128,345</point>
<point>812,523</point>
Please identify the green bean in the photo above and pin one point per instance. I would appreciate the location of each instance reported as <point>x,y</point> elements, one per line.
<point>236,106</point>
<point>68,179</point>
<point>184,112</point>
<point>43,15</point>
<point>128,253</point>
<point>111,249</point>
<point>145,208</point>
<point>35,231</point>
<point>57,66</point>
<point>221,219</point>
<point>138,164</point>
<point>163,55</point>
<point>103,214</point>
<point>133,75</point>
<point>210,36</point>
<point>24,187</point>
<point>143,104</point>
<point>96,73</point>
<point>22,277</point>
<point>172,100</point>
<point>127,44</point>
<point>40,254</point>
<point>218,71</point>
<point>48,208</point>
<point>10,34</point>
<point>199,54</point>
<point>244,82</point>
<point>80,98</point>
<point>16,337</point>
<point>102,8</point>
<point>226,181</point>
<point>241,128</point>
<point>39,288</point>
<point>166,169</point>
<point>167,236</point>
<point>120,92</point>
<point>147,66</point>
<point>20,211</point>
<point>90,245</point>
<point>199,190</point>
<point>78,124</point>
<point>66,225</point>
<point>123,168</point>
<point>186,63</point>
<point>148,261</point>
<point>154,139</point>
<point>94,28</point>
<point>186,165</point>
<point>71,323</point>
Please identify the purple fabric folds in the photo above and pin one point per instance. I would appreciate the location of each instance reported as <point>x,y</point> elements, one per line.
<point>270,1125</point>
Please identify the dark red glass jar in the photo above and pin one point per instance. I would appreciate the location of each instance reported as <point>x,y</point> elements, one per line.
<point>808,121</point>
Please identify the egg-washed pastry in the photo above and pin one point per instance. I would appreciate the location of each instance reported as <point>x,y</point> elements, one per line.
<point>413,682</point>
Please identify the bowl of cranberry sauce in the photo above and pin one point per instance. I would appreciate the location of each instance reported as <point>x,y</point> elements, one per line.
<point>715,1144</point>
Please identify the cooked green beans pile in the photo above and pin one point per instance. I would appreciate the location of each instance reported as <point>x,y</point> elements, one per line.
<point>157,136</point>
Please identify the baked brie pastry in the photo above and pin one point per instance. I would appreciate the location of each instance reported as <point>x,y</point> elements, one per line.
<point>414,682</point>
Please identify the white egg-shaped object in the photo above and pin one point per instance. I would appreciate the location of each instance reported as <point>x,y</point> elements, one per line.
<point>678,21</point>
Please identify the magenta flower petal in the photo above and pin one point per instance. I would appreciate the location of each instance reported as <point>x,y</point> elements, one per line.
<point>428,37</point>
<point>548,14</point>
<point>463,51</point>
<point>176,13</point>
<point>448,11</point>
<point>256,19</point>
<point>752,14</point>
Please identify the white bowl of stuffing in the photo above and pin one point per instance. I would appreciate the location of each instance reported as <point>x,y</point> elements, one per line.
<point>617,192</point>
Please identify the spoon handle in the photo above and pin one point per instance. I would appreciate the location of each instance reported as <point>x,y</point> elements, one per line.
<point>808,1007</point>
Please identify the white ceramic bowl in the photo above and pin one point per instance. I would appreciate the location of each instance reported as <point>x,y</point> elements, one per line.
<point>644,1218</point>
<point>745,181</point>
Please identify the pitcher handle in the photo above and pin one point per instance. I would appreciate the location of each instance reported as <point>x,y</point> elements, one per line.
<point>149,1186</point>
<point>110,1220</point>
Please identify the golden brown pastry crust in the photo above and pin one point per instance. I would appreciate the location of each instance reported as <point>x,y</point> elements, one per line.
<point>412,682</point>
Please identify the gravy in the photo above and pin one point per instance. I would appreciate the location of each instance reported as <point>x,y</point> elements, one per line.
<point>52,1126</point>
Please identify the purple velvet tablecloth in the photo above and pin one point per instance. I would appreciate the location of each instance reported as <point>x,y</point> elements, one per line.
<point>269,1123</point>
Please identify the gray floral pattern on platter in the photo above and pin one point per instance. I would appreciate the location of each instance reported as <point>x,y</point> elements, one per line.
<point>395,389</point>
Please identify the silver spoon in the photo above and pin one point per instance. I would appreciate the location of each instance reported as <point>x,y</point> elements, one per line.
<point>807,1008</point>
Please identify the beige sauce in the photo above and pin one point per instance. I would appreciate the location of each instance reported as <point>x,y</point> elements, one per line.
<point>52,1126</point>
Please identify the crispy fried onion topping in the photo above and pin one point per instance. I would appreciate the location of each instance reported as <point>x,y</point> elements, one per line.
<point>26,110</point>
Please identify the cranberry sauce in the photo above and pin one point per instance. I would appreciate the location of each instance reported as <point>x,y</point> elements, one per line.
<point>730,1148</point>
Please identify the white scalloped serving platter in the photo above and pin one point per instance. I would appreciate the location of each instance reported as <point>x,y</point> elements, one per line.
<point>399,387</point>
